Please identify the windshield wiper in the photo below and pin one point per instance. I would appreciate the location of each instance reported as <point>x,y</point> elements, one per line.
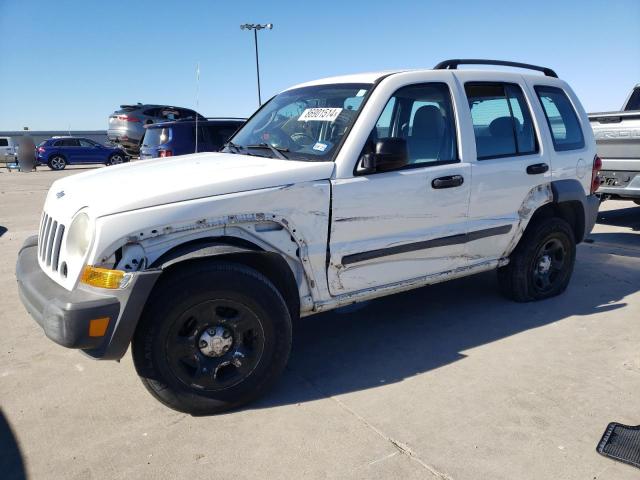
<point>230,145</point>
<point>277,151</point>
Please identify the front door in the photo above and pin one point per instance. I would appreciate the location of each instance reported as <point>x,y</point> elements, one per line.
<point>408,223</point>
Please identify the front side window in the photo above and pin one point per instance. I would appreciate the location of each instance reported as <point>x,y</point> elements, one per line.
<point>502,121</point>
<point>562,119</point>
<point>87,143</point>
<point>422,115</point>
<point>305,123</point>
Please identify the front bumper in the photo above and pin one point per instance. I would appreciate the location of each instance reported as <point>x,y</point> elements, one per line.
<point>65,316</point>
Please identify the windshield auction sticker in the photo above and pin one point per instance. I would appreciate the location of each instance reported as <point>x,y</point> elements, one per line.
<point>320,115</point>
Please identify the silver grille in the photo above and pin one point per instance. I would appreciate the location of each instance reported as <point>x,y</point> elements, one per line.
<point>50,241</point>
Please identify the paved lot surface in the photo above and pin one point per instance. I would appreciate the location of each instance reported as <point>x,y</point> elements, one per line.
<point>450,382</point>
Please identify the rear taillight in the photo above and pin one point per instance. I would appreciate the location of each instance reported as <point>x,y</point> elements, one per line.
<point>128,118</point>
<point>165,153</point>
<point>595,170</point>
<point>41,149</point>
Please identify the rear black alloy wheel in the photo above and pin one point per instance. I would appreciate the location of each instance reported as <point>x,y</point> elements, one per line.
<point>548,265</point>
<point>116,159</point>
<point>57,162</point>
<point>542,263</point>
<point>213,336</point>
<point>215,344</point>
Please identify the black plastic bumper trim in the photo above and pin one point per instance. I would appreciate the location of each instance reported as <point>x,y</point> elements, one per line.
<point>65,315</point>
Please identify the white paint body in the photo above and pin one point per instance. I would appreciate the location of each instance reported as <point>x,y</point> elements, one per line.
<point>316,213</point>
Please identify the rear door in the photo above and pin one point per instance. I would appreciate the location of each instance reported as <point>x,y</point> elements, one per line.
<point>90,152</point>
<point>404,224</point>
<point>70,148</point>
<point>510,162</point>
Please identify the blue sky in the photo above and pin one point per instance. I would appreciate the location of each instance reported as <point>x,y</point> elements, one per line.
<point>71,63</point>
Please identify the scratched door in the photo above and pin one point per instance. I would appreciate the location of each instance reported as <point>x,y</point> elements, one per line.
<point>394,226</point>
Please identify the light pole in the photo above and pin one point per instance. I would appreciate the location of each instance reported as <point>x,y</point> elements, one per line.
<point>255,28</point>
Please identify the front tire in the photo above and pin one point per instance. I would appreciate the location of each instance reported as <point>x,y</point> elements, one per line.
<point>116,159</point>
<point>542,263</point>
<point>213,336</point>
<point>57,162</point>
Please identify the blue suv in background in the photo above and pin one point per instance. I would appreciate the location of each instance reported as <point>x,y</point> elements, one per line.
<point>62,151</point>
<point>168,139</point>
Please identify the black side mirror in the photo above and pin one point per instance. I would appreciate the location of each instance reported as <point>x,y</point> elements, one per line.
<point>390,154</point>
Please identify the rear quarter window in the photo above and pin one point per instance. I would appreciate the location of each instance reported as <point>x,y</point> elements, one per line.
<point>565,128</point>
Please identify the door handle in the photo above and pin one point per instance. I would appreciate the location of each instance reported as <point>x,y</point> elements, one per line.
<point>448,181</point>
<point>537,168</point>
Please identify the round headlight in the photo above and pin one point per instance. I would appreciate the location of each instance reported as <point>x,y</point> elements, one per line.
<point>79,236</point>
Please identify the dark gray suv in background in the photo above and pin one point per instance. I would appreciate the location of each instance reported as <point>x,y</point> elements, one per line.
<point>126,126</point>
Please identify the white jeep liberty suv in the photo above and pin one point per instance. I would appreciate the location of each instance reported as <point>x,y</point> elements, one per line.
<point>334,192</point>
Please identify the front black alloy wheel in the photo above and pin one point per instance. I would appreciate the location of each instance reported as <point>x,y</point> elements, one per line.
<point>215,345</point>
<point>213,336</point>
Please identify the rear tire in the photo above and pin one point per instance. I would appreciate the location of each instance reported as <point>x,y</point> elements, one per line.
<point>57,162</point>
<point>541,264</point>
<point>213,336</point>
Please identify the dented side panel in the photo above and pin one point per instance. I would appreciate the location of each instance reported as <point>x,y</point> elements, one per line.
<point>376,216</point>
<point>292,220</point>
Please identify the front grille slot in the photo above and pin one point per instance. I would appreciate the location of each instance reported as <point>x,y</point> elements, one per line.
<point>56,248</point>
<point>50,242</point>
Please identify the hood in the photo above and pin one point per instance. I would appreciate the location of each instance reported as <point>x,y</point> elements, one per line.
<point>147,183</point>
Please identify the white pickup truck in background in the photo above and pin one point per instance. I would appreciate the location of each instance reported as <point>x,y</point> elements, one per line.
<point>618,140</point>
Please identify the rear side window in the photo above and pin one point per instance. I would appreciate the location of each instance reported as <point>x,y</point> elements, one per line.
<point>4,142</point>
<point>501,120</point>
<point>156,136</point>
<point>68,142</point>
<point>562,119</point>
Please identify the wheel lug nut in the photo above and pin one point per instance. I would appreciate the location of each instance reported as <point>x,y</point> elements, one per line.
<point>212,331</point>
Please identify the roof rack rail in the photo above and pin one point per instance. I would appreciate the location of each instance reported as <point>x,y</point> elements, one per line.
<point>453,64</point>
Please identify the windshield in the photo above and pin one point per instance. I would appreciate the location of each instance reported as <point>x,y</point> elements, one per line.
<point>302,124</point>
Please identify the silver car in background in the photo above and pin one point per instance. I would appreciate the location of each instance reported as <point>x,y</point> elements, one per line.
<point>126,126</point>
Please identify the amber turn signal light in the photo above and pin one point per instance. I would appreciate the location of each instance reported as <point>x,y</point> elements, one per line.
<point>104,278</point>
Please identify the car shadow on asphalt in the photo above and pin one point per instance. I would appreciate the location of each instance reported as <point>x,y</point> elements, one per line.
<point>11,461</point>
<point>396,337</point>
<point>622,217</point>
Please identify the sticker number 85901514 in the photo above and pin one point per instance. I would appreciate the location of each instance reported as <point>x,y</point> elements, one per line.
<point>320,114</point>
